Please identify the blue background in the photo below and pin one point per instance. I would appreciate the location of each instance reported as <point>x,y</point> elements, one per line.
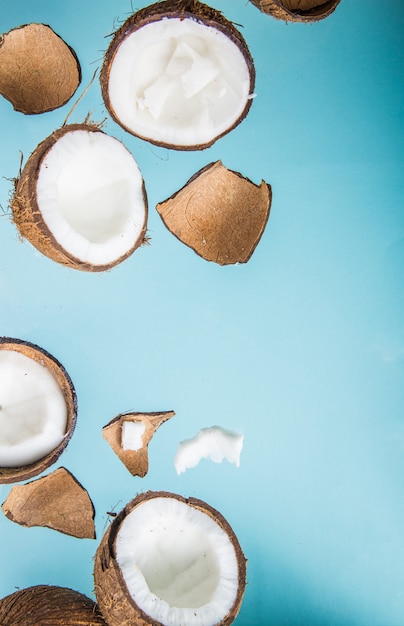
<point>301,349</point>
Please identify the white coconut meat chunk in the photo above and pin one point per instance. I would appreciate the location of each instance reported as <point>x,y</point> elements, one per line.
<point>178,82</point>
<point>132,435</point>
<point>90,194</point>
<point>178,564</point>
<point>33,412</point>
<point>214,443</point>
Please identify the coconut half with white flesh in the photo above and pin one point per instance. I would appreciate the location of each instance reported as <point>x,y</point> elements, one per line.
<point>167,560</point>
<point>81,199</point>
<point>178,74</point>
<point>38,409</point>
<point>297,10</point>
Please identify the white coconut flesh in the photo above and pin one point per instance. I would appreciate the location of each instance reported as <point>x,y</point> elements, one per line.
<point>132,433</point>
<point>178,81</point>
<point>33,411</point>
<point>90,194</point>
<point>178,564</point>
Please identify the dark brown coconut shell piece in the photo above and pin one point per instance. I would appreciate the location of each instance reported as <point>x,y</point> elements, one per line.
<point>46,605</point>
<point>219,214</point>
<point>169,9</point>
<point>136,461</point>
<point>57,501</point>
<point>39,72</point>
<point>116,605</point>
<point>16,474</point>
<point>297,10</point>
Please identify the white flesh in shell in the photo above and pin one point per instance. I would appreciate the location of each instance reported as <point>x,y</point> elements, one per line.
<point>33,412</point>
<point>177,81</point>
<point>178,564</point>
<point>90,194</point>
<point>132,433</point>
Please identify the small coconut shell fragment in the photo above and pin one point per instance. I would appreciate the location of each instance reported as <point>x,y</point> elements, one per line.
<point>136,461</point>
<point>219,214</point>
<point>46,605</point>
<point>297,10</point>
<point>39,72</point>
<point>57,501</point>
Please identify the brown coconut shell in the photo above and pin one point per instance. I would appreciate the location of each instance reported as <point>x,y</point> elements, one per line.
<point>39,71</point>
<point>32,351</point>
<point>219,214</point>
<point>114,600</point>
<point>297,10</point>
<point>27,214</point>
<point>57,501</point>
<point>46,605</point>
<point>169,9</point>
<point>136,461</point>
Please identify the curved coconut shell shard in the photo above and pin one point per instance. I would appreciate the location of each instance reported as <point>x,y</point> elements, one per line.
<point>81,199</point>
<point>219,214</point>
<point>47,605</point>
<point>166,559</point>
<point>178,74</point>
<point>129,435</point>
<point>57,501</point>
<point>38,410</point>
<point>297,10</point>
<point>39,72</point>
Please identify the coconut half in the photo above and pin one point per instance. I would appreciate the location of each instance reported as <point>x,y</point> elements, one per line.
<point>168,560</point>
<point>38,409</point>
<point>178,74</point>
<point>297,10</point>
<point>39,72</point>
<point>46,605</point>
<point>81,199</point>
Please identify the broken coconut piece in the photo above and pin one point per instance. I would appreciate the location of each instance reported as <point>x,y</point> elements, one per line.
<point>297,10</point>
<point>39,72</point>
<point>81,199</point>
<point>57,501</point>
<point>129,434</point>
<point>178,74</point>
<point>219,214</point>
<point>46,605</point>
<point>38,409</point>
<point>214,443</point>
<point>169,560</point>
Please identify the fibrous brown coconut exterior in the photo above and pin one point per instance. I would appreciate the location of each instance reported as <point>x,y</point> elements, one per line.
<point>218,213</point>
<point>181,99</point>
<point>144,425</point>
<point>166,559</point>
<point>16,358</point>
<point>48,605</point>
<point>297,10</point>
<point>39,71</point>
<point>56,501</point>
<point>81,199</point>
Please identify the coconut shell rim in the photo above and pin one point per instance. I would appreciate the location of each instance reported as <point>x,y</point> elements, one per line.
<point>280,12</point>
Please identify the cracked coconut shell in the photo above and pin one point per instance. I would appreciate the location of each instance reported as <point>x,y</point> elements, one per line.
<point>57,501</point>
<point>219,214</point>
<point>46,605</point>
<point>39,72</point>
<point>297,10</point>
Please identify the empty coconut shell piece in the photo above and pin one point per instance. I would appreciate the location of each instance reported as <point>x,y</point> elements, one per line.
<point>57,501</point>
<point>129,434</point>
<point>46,605</point>
<point>38,410</point>
<point>39,72</point>
<point>219,214</point>
<point>297,10</point>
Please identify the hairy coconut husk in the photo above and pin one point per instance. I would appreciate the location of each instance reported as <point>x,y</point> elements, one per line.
<point>47,605</point>
<point>168,9</point>
<point>114,600</point>
<point>297,10</point>
<point>219,214</point>
<point>16,474</point>
<point>39,72</point>
<point>136,461</point>
<point>57,501</point>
